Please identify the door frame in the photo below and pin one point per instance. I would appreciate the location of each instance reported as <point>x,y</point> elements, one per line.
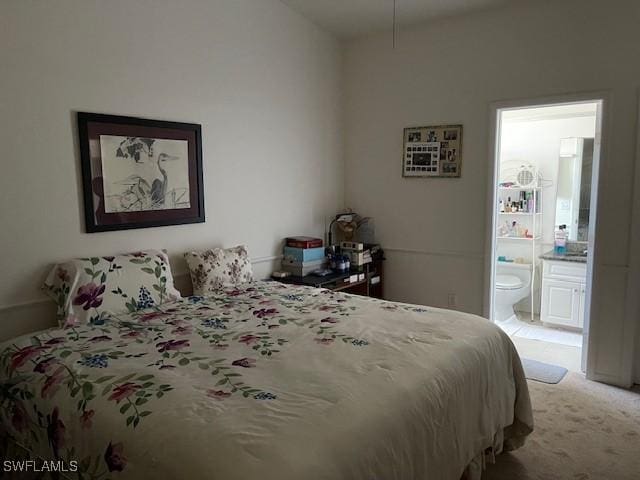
<point>603,98</point>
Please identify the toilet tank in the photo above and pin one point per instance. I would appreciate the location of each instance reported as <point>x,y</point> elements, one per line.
<point>520,270</point>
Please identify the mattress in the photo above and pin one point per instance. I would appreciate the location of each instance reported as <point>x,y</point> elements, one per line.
<point>268,381</point>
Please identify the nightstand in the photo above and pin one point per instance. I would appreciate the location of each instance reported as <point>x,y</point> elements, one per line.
<point>368,282</point>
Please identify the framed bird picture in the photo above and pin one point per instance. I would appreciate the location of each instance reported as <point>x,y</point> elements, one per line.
<point>139,173</point>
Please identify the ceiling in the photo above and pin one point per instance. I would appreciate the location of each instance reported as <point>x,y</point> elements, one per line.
<point>352,18</point>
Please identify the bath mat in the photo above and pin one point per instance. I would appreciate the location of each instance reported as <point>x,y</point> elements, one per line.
<point>542,372</point>
<point>552,335</point>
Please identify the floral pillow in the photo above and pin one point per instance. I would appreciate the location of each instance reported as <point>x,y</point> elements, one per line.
<point>89,290</point>
<point>213,270</point>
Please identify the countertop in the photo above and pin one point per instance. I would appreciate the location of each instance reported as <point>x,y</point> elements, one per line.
<point>552,255</point>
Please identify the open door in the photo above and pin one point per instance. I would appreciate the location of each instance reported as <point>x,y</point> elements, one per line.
<point>612,297</point>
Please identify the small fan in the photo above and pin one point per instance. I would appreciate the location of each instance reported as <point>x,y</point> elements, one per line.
<point>527,177</point>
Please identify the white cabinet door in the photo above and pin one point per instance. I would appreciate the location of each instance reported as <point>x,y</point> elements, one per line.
<point>561,302</point>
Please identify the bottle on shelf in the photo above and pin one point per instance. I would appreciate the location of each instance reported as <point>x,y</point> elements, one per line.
<point>513,230</point>
<point>560,240</point>
<point>522,203</point>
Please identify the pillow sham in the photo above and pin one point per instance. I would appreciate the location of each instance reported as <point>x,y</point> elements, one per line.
<point>89,290</point>
<point>216,269</point>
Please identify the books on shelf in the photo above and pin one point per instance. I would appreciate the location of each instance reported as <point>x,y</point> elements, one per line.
<point>296,254</point>
<point>303,242</point>
<point>300,269</point>
<point>302,255</point>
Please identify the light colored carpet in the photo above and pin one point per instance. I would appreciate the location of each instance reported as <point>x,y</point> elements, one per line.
<point>583,431</point>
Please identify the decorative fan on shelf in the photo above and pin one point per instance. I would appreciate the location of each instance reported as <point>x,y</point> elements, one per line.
<point>527,177</point>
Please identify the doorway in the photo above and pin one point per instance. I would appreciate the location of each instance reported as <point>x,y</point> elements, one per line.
<point>542,227</point>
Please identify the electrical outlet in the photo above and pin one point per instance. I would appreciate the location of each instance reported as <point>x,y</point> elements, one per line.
<point>452,300</point>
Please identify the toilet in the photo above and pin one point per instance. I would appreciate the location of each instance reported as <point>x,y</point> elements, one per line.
<point>512,284</point>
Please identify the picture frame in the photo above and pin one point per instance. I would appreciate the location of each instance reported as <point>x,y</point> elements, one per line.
<point>139,173</point>
<point>433,151</point>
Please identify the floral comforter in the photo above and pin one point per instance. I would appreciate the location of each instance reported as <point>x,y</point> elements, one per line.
<point>271,382</point>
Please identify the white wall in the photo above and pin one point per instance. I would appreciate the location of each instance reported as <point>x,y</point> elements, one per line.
<point>264,83</point>
<point>450,72</point>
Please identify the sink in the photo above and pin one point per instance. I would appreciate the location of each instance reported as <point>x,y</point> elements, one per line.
<point>576,255</point>
<point>576,249</point>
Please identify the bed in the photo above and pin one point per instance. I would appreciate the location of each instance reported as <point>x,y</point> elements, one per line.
<point>268,381</point>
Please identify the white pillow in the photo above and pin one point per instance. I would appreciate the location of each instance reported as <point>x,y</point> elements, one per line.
<point>89,290</point>
<point>214,270</point>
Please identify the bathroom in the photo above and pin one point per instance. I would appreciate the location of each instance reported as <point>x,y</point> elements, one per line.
<point>543,202</point>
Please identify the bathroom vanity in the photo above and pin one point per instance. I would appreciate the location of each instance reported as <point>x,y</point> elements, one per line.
<point>564,279</point>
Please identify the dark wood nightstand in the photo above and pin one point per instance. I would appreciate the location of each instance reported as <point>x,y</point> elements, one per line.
<point>369,282</point>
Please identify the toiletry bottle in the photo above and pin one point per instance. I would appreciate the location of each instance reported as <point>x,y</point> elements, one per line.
<point>501,206</point>
<point>521,201</point>
<point>560,241</point>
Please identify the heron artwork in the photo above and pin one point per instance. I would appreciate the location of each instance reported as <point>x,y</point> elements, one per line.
<point>142,174</point>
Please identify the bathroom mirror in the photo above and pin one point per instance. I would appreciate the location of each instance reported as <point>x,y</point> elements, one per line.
<point>573,193</point>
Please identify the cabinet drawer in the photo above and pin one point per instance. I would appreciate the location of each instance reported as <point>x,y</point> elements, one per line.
<point>565,271</point>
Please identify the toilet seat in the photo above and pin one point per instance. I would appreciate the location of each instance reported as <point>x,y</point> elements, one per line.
<point>508,282</point>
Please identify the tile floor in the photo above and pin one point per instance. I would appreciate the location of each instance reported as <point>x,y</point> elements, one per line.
<point>545,344</point>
